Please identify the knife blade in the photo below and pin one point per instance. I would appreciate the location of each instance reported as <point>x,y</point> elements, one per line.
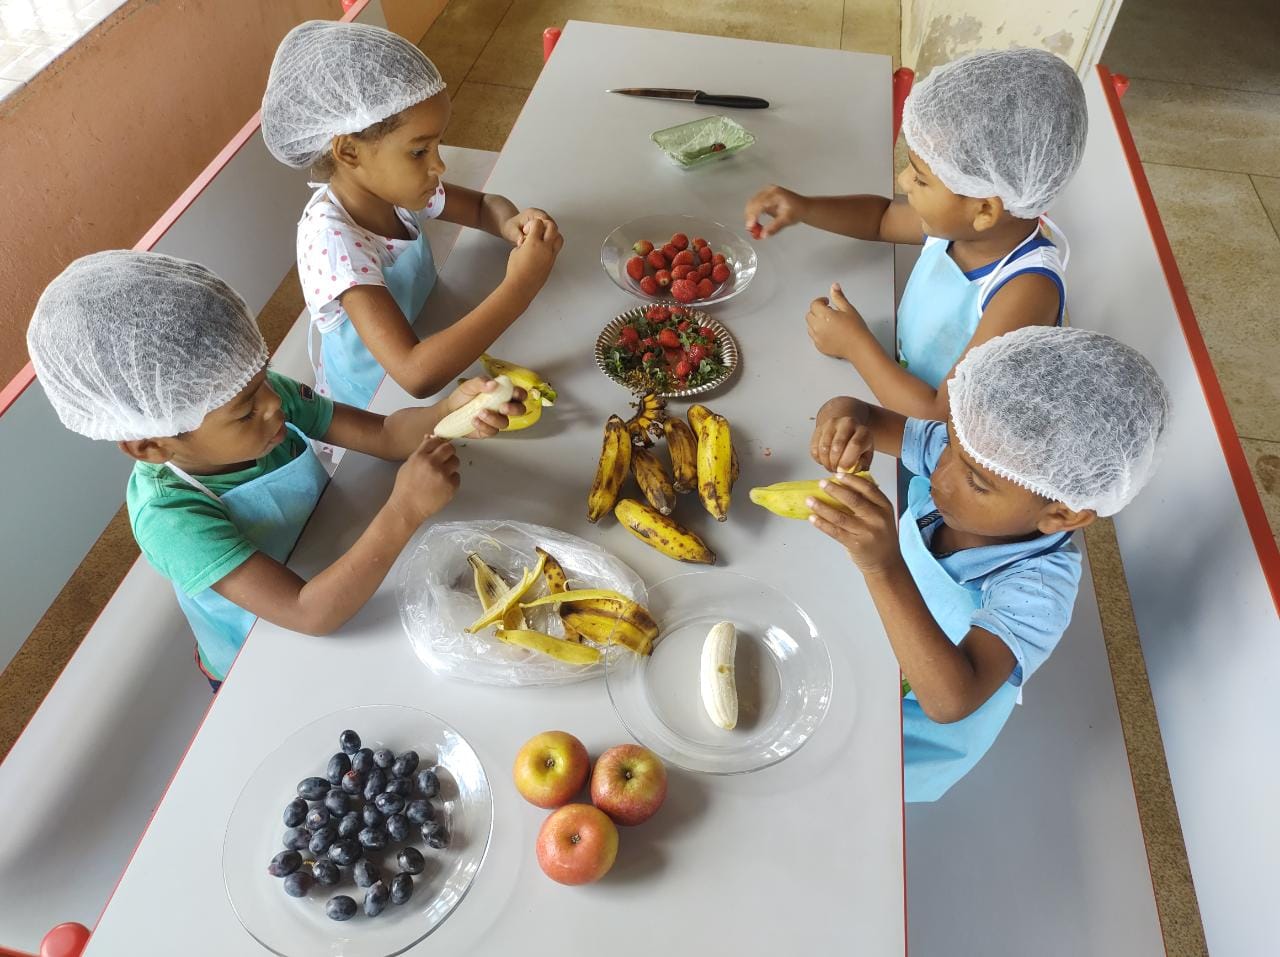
<point>699,97</point>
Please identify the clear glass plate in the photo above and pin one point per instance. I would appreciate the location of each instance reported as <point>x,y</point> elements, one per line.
<point>783,675</point>
<point>658,229</point>
<point>298,927</point>
<point>692,145</point>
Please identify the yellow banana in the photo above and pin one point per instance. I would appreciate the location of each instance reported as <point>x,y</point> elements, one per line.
<point>788,498</point>
<point>683,449</point>
<point>532,412</point>
<point>698,414</point>
<point>629,611</point>
<point>604,628</point>
<point>653,480</point>
<point>557,583</point>
<point>662,533</point>
<point>491,589</point>
<point>498,610</point>
<point>611,472</point>
<point>557,648</point>
<point>526,379</point>
<point>715,457</point>
<point>647,422</point>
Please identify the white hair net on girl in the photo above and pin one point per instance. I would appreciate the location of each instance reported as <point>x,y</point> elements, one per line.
<point>1072,415</point>
<point>331,78</point>
<point>132,345</point>
<point>1010,124</point>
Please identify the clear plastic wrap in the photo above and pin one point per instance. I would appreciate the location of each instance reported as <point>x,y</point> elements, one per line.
<point>438,600</point>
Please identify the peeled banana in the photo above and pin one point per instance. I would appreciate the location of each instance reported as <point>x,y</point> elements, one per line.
<point>647,422</point>
<point>662,533</point>
<point>491,589</point>
<point>683,449</point>
<point>461,421</point>
<point>611,472</point>
<point>717,679</point>
<point>697,413</point>
<point>653,480</point>
<point>526,379</point>
<point>788,498</point>
<point>557,648</point>
<point>499,609</point>
<point>715,456</point>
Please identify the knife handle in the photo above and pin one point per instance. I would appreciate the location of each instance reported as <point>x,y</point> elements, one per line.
<point>731,101</point>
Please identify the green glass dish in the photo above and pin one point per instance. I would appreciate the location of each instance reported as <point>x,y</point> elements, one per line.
<point>694,144</point>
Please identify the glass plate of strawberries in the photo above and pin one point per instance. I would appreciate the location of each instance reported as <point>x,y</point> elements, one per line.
<point>668,256</point>
<point>668,349</point>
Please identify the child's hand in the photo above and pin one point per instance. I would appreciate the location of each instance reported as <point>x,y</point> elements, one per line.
<point>834,325</point>
<point>491,421</point>
<point>530,263</point>
<point>843,443</point>
<point>426,481</point>
<point>865,524</point>
<point>514,229</point>
<point>784,206</point>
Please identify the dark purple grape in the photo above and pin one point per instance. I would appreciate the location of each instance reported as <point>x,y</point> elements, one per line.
<point>318,817</point>
<point>349,741</point>
<point>405,765</point>
<point>326,872</point>
<point>350,824</point>
<point>419,811</point>
<point>375,899</point>
<point>384,758</point>
<point>312,789</point>
<point>345,852</point>
<point>365,873</point>
<point>428,783</point>
<point>294,812</point>
<point>296,838</point>
<point>337,802</point>
<point>410,860</point>
<point>389,803</point>
<point>400,786</point>
<point>373,838</point>
<point>298,883</point>
<point>341,907</point>
<point>434,834</point>
<point>374,783</point>
<point>353,782</point>
<point>321,838</point>
<point>339,765</point>
<point>401,888</point>
<point>397,827</point>
<point>284,864</point>
<point>362,761</point>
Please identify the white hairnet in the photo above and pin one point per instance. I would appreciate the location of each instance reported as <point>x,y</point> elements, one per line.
<point>132,345</point>
<point>1010,124</point>
<point>331,78</point>
<point>1070,414</point>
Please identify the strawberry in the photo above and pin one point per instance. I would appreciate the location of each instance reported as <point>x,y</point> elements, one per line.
<point>717,259</point>
<point>681,272</point>
<point>756,230</point>
<point>684,290</point>
<point>647,357</point>
<point>668,339</point>
<point>684,369</point>
<point>705,254</point>
<point>669,252</point>
<point>643,247</point>
<point>697,353</point>
<point>649,342</point>
<point>720,273</point>
<point>706,289</point>
<point>628,334</point>
<point>704,271</point>
<point>648,286</point>
<point>682,325</point>
<point>663,278</point>
<point>680,241</point>
<point>699,242</point>
<point>655,259</point>
<point>635,267</point>
<point>679,311</point>
<point>683,258</point>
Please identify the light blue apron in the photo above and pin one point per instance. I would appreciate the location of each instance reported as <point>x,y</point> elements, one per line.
<point>270,511</point>
<point>347,371</point>
<point>936,756</point>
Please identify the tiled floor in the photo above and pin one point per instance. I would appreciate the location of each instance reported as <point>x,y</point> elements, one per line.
<point>33,32</point>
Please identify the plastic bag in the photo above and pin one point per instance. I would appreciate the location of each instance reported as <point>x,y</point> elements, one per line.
<point>438,599</point>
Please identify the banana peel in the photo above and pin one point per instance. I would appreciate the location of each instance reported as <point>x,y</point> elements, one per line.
<point>603,629</point>
<point>497,612</point>
<point>576,595</point>
<point>526,379</point>
<point>788,499</point>
<point>557,582</point>
<point>491,589</point>
<point>558,648</point>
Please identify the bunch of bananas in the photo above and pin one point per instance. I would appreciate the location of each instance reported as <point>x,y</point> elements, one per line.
<point>602,616</point>
<point>702,459</point>
<point>538,393</point>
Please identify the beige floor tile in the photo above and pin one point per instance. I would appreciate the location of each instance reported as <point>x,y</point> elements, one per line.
<point>459,34</point>
<point>1183,125</point>
<point>873,26</point>
<point>483,115</point>
<point>1264,463</point>
<point>1229,257</point>
<point>514,55</point>
<point>1228,43</point>
<point>1268,188</point>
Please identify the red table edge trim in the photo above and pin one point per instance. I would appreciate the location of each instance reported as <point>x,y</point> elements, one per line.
<point>1255,515</point>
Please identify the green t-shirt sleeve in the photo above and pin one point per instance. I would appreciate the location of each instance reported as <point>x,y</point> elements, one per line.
<point>302,405</point>
<point>189,539</point>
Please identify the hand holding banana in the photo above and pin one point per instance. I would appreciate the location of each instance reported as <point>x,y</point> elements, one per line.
<point>862,520</point>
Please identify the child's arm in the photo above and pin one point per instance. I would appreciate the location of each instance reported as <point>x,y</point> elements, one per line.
<point>838,329</point>
<point>847,430</point>
<point>875,218</point>
<point>423,368</point>
<point>492,213</point>
<point>950,681</point>
<point>264,587</point>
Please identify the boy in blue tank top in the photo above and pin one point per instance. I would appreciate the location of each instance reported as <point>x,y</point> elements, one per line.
<point>1049,428</point>
<point>991,140</point>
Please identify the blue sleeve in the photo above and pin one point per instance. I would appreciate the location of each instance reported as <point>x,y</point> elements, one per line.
<point>922,443</point>
<point>1028,607</point>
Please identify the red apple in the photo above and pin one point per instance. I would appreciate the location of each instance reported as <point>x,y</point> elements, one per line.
<point>551,768</point>
<point>629,783</point>
<point>577,844</point>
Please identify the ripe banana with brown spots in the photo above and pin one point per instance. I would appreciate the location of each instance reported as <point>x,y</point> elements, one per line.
<point>715,459</point>
<point>653,480</point>
<point>683,449</point>
<point>612,469</point>
<point>667,536</point>
<point>698,414</point>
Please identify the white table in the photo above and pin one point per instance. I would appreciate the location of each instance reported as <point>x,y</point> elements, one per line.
<point>804,857</point>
